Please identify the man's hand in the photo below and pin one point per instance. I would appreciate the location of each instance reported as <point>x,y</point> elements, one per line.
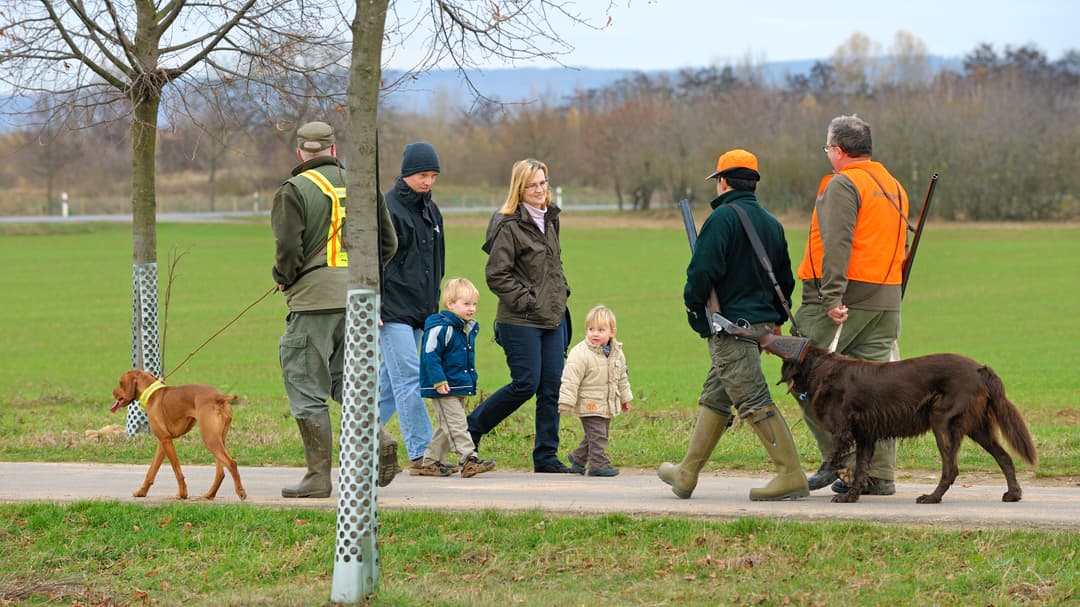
<point>443,388</point>
<point>839,314</point>
<point>626,406</point>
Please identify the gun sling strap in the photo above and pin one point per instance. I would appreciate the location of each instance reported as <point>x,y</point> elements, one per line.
<point>759,250</point>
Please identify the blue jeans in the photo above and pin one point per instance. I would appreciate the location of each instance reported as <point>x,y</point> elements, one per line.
<point>535,359</point>
<point>399,386</point>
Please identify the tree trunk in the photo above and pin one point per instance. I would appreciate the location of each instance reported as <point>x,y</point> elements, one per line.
<point>143,196</point>
<point>362,224</point>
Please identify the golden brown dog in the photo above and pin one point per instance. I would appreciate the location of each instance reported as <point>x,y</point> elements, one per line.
<point>172,412</point>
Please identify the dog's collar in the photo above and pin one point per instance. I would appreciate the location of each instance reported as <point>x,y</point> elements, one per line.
<point>149,391</point>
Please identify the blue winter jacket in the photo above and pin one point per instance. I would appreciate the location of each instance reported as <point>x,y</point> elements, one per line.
<point>448,355</point>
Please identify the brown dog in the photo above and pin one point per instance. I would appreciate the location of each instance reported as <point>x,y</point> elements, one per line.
<point>172,412</point>
<point>861,402</point>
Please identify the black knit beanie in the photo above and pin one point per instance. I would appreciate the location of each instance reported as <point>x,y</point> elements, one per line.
<point>419,157</point>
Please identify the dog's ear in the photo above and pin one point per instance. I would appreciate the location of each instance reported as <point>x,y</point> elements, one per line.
<point>127,387</point>
<point>788,370</point>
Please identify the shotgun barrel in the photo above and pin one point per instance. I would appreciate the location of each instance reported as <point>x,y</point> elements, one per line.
<point>909,260</point>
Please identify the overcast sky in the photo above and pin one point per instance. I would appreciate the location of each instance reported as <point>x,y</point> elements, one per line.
<point>668,34</point>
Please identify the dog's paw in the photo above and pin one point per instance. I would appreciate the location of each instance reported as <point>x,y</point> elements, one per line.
<point>242,495</point>
<point>929,498</point>
<point>845,498</point>
<point>140,492</point>
<point>1012,496</point>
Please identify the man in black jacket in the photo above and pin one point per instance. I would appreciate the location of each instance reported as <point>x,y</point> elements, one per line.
<point>410,293</point>
<point>724,262</point>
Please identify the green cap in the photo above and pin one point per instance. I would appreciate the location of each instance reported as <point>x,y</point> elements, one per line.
<point>314,137</point>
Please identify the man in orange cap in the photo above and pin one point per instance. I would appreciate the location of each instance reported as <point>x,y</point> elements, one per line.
<point>724,262</point>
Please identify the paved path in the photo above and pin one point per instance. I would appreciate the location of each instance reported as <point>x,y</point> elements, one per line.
<point>719,495</point>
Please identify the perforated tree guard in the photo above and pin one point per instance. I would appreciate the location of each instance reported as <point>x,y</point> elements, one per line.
<point>145,343</point>
<point>356,559</point>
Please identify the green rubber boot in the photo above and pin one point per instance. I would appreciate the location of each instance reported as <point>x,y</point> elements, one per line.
<point>318,443</point>
<point>683,476</point>
<point>790,482</point>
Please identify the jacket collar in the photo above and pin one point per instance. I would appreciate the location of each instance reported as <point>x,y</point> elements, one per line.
<point>317,161</point>
<point>549,216</point>
<point>456,321</point>
<point>733,196</point>
<point>410,197</point>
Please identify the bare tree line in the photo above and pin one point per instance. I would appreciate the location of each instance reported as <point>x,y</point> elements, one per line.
<point>1002,132</point>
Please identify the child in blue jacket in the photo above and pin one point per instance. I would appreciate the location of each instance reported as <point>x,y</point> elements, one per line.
<point>447,374</point>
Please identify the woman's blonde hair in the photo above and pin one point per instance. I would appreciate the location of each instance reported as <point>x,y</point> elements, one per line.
<point>601,317</point>
<point>457,289</point>
<point>520,175</point>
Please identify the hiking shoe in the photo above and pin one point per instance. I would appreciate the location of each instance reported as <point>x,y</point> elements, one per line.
<point>824,475</point>
<point>605,471</point>
<point>575,467</point>
<point>474,465</point>
<point>453,468</point>
<point>419,468</point>
<point>876,486</point>
<point>552,467</point>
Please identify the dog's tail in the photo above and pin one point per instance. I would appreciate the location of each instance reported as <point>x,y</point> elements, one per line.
<point>1008,417</point>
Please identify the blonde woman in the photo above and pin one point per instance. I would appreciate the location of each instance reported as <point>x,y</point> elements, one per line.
<point>524,270</point>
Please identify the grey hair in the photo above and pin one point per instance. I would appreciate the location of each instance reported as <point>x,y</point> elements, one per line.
<point>852,135</point>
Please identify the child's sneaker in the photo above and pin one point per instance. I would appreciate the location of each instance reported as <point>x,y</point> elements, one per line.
<point>474,465</point>
<point>419,468</point>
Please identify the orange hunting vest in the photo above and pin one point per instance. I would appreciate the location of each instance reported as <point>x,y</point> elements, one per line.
<point>879,243</point>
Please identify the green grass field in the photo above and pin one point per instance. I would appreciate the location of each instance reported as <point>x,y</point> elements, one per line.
<point>1004,295</point>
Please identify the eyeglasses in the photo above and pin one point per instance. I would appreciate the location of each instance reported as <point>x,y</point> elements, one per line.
<point>538,186</point>
<point>826,148</point>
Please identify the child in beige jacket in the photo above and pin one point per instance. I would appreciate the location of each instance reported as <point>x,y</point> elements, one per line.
<point>595,387</point>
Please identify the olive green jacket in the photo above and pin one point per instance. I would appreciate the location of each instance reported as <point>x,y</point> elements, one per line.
<point>524,269</point>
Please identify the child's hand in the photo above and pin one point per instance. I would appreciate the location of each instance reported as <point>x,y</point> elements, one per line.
<point>443,388</point>
<point>626,406</point>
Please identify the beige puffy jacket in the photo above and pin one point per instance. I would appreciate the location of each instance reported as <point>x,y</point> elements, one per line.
<point>594,384</point>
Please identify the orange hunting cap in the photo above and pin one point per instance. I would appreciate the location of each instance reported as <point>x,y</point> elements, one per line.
<point>736,164</point>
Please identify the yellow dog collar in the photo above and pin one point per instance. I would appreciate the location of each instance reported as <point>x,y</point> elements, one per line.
<point>149,391</point>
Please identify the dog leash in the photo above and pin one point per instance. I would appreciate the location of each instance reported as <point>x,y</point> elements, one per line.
<point>836,338</point>
<point>272,290</point>
<point>218,332</point>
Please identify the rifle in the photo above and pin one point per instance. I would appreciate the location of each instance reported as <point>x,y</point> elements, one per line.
<point>787,348</point>
<point>717,322</point>
<point>910,259</point>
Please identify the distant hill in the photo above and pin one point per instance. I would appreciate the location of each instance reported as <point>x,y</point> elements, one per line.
<point>425,92</point>
<point>525,84</point>
<point>428,90</point>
